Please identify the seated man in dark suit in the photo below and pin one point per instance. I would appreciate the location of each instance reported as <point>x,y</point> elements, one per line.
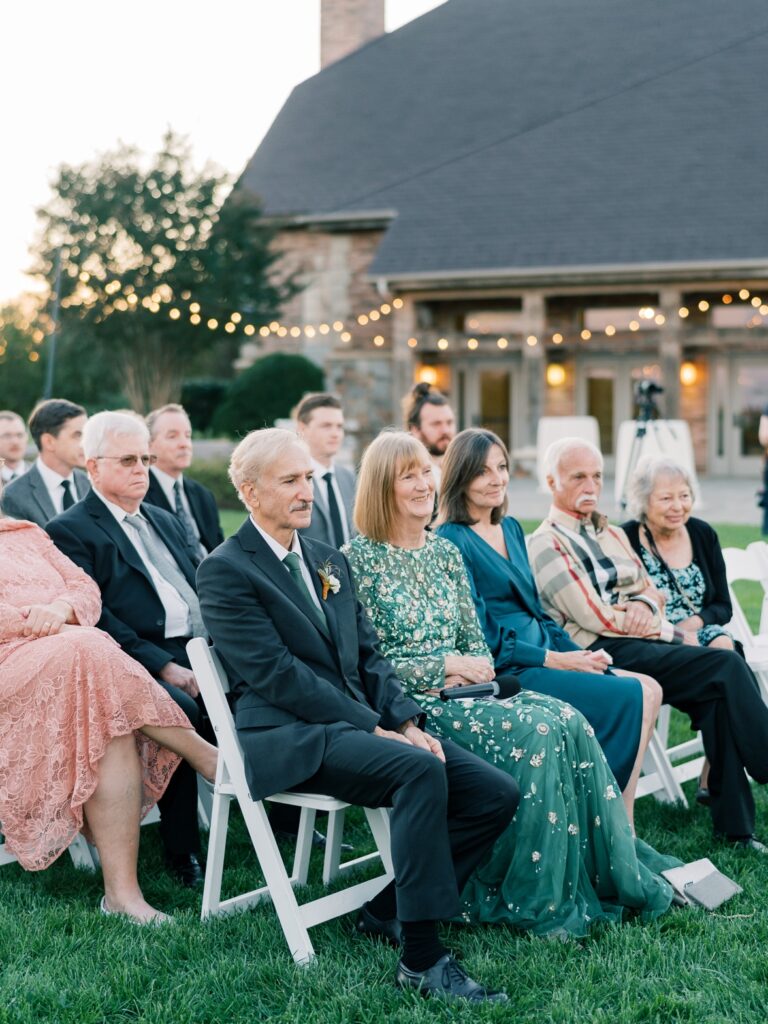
<point>138,556</point>
<point>170,441</point>
<point>56,480</point>
<point>318,708</point>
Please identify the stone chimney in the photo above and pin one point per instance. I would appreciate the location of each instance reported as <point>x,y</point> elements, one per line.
<point>345,25</point>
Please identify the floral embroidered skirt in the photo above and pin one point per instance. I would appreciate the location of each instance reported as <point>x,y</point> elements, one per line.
<point>568,858</point>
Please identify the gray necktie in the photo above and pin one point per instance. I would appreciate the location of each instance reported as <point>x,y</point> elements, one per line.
<point>166,565</point>
<point>186,522</point>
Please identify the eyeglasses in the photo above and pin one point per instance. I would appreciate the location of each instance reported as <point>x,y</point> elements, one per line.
<point>129,461</point>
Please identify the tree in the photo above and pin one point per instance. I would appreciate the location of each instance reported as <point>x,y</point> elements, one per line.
<point>154,271</point>
<point>21,367</point>
<point>265,392</point>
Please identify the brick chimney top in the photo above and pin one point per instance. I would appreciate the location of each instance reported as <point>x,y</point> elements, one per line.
<point>345,25</point>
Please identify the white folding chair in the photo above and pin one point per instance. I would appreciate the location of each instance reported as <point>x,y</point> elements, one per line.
<point>295,919</point>
<point>665,767</point>
<point>750,565</point>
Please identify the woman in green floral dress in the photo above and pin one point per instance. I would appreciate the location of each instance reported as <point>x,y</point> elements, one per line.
<point>569,857</point>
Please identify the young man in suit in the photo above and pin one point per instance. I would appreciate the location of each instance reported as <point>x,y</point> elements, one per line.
<point>13,445</point>
<point>320,424</point>
<point>138,556</point>
<point>170,441</point>
<point>318,708</point>
<point>56,479</point>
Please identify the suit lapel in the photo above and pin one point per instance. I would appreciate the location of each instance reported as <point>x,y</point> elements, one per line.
<point>267,561</point>
<point>321,505</point>
<point>114,531</point>
<point>40,493</point>
<point>157,493</point>
<point>195,506</point>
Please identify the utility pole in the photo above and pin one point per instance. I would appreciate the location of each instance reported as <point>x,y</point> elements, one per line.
<point>50,368</point>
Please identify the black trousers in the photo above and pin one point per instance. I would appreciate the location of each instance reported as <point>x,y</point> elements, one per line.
<point>722,697</point>
<point>179,827</point>
<point>444,816</point>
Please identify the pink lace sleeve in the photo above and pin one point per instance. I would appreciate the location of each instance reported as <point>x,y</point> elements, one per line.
<point>11,622</point>
<point>80,590</point>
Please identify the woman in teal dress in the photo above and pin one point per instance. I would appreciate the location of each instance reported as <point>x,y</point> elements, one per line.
<point>621,706</point>
<point>569,857</point>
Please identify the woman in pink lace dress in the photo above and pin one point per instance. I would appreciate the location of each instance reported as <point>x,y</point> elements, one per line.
<point>88,740</point>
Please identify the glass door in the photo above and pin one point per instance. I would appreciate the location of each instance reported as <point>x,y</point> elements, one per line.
<point>748,399</point>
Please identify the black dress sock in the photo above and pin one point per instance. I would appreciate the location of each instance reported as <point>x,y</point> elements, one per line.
<point>421,946</point>
<point>384,903</point>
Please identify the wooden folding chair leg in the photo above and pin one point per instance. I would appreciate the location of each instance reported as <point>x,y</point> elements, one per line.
<point>304,839</point>
<point>333,838</point>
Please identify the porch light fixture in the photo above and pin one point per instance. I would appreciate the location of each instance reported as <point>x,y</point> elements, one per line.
<point>689,374</point>
<point>555,375</point>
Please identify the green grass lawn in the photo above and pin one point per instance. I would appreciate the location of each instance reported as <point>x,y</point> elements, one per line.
<point>62,962</point>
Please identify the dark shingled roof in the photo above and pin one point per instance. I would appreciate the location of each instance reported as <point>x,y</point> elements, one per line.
<point>539,134</point>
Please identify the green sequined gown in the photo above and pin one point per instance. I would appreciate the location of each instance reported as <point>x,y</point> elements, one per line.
<point>568,858</point>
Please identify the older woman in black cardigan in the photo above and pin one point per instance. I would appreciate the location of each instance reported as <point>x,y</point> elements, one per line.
<point>683,557</point>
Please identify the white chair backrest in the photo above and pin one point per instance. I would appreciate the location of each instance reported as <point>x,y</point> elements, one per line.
<point>214,687</point>
<point>554,428</point>
<point>747,565</point>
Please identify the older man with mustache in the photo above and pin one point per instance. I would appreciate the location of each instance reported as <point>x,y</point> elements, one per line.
<point>593,584</point>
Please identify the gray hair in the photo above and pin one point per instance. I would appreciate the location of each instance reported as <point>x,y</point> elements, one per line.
<point>643,481</point>
<point>558,450</point>
<point>256,452</point>
<point>105,425</point>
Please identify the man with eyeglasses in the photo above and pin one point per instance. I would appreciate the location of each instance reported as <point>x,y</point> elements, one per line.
<point>13,445</point>
<point>139,557</point>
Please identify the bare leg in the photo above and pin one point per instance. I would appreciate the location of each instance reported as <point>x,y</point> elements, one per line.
<point>113,816</point>
<point>203,756</point>
<point>652,698</point>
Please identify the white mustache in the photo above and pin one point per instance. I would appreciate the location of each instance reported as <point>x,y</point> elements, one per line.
<point>301,506</point>
<point>585,497</point>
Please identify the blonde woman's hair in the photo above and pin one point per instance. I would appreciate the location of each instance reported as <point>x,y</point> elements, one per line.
<point>393,452</point>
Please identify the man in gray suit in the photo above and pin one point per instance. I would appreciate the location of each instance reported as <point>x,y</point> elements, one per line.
<point>320,424</point>
<point>13,445</point>
<point>56,480</point>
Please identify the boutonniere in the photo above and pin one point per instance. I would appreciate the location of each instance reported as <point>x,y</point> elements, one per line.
<point>327,573</point>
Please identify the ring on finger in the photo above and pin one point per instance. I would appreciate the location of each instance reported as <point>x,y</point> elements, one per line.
<point>47,625</point>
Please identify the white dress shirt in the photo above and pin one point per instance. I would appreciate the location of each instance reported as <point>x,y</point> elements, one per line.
<point>167,483</point>
<point>177,618</point>
<point>281,552</point>
<point>319,472</point>
<point>9,474</point>
<point>53,482</point>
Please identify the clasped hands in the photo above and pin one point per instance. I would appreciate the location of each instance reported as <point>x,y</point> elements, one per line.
<point>46,619</point>
<point>412,735</point>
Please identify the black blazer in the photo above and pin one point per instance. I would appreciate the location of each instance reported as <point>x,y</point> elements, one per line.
<point>27,497</point>
<point>291,680</point>
<point>203,506</point>
<point>131,611</point>
<point>708,555</point>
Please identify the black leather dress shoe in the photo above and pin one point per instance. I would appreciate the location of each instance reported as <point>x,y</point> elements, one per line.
<point>446,980</point>
<point>702,796</point>
<point>749,843</point>
<point>389,931</point>
<point>186,867</point>
<point>318,839</point>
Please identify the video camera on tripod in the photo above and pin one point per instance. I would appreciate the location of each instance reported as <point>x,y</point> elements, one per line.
<point>645,392</point>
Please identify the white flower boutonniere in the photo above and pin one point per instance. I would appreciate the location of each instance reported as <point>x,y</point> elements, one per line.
<point>327,573</point>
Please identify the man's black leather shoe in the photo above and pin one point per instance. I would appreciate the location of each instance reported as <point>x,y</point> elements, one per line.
<point>186,867</point>
<point>318,839</point>
<point>389,931</point>
<point>446,980</point>
<point>749,843</point>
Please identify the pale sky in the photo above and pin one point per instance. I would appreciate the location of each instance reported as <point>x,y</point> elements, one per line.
<point>76,78</point>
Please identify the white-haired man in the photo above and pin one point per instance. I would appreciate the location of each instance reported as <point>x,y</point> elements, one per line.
<point>317,707</point>
<point>138,556</point>
<point>593,584</point>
